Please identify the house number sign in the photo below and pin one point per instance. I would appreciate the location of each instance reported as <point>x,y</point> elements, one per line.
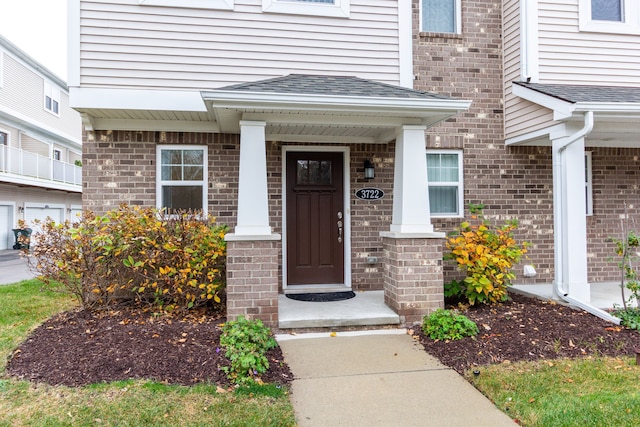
<point>369,194</point>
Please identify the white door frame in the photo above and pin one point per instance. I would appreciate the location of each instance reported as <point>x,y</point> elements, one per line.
<point>12,222</point>
<point>347,207</point>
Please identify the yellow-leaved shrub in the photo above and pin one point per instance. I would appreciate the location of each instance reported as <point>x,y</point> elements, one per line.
<point>134,254</point>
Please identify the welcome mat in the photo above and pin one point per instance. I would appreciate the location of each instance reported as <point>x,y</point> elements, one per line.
<point>322,297</point>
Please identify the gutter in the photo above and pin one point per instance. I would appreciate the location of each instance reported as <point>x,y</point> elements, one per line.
<point>557,183</point>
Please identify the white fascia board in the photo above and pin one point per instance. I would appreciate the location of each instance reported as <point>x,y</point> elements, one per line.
<point>405,47</point>
<point>561,109</point>
<point>609,108</point>
<point>136,99</point>
<point>73,42</point>
<point>36,182</point>
<point>235,99</point>
<point>23,122</point>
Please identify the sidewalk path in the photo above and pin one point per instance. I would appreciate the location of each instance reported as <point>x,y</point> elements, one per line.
<point>13,267</point>
<point>379,378</point>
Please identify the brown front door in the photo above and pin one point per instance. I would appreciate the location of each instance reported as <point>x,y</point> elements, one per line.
<point>315,218</point>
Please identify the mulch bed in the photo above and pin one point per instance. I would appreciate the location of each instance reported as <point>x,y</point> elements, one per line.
<point>526,329</point>
<point>78,348</point>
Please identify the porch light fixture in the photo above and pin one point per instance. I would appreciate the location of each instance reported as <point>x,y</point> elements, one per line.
<point>369,171</point>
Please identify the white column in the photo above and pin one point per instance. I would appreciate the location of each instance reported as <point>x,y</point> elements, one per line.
<point>570,222</point>
<point>253,200</point>
<point>410,190</point>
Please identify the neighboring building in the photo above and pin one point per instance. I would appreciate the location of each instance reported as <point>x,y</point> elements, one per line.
<point>265,113</point>
<point>40,144</point>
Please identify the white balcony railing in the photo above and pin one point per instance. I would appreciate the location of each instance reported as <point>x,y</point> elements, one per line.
<point>24,163</point>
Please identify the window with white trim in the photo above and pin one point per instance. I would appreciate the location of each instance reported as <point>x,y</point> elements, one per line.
<point>51,98</point>
<point>4,138</point>
<point>181,177</point>
<point>193,4</point>
<point>57,154</point>
<point>444,174</point>
<point>610,16</point>
<point>588,183</point>
<point>440,16</point>
<point>333,8</point>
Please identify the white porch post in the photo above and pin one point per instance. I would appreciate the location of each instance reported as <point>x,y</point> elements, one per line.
<point>570,223</point>
<point>410,191</point>
<point>253,207</point>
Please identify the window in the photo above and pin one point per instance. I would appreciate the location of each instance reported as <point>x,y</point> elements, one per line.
<point>606,10</point>
<point>335,8</point>
<point>444,172</point>
<point>182,178</point>
<point>440,16</point>
<point>4,138</point>
<point>610,16</point>
<point>194,4</point>
<point>57,154</point>
<point>588,184</point>
<point>51,98</point>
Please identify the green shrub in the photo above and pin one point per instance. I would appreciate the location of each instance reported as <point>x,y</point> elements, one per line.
<point>173,262</point>
<point>448,325</point>
<point>487,255</point>
<point>247,343</point>
<point>629,317</point>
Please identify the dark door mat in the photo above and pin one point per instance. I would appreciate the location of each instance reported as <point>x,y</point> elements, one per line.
<point>322,297</point>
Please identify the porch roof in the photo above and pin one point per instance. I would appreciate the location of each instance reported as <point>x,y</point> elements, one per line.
<point>315,108</point>
<point>616,112</point>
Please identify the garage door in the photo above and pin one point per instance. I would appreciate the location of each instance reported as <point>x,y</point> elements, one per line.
<point>6,235</point>
<point>32,213</point>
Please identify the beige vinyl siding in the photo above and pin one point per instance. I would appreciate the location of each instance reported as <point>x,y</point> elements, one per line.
<point>23,92</point>
<point>520,116</point>
<point>32,145</point>
<point>568,55</point>
<point>163,47</point>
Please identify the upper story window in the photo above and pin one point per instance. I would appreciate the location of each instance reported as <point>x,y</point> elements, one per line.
<point>51,98</point>
<point>610,16</point>
<point>57,155</point>
<point>194,4</point>
<point>333,8</point>
<point>606,10</point>
<point>440,16</point>
<point>4,138</point>
<point>444,174</point>
<point>181,177</point>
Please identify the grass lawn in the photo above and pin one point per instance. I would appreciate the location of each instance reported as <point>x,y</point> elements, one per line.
<point>565,392</point>
<point>131,403</point>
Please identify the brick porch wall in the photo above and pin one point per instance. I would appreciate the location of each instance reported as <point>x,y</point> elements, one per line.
<point>413,277</point>
<point>252,280</point>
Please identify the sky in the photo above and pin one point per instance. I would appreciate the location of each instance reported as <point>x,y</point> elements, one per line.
<point>39,28</point>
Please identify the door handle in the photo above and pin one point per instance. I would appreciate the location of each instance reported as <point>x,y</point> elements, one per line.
<point>339,223</point>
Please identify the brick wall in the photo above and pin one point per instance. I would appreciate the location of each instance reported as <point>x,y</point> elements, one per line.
<point>120,167</point>
<point>512,182</point>
<point>413,277</point>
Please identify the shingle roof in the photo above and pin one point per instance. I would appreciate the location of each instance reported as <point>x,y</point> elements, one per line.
<point>584,93</point>
<point>331,85</point>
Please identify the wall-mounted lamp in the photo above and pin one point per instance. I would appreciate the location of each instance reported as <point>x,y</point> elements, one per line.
<point>20,209</point>
<point>369,171</point>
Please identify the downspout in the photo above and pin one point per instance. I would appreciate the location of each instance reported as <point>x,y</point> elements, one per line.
<point>557,211</point>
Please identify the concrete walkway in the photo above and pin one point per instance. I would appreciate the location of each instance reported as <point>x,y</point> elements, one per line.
<point>379,378</point>
<point>13,267</point>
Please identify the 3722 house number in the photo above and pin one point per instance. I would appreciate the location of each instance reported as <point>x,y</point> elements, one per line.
<point>370,193</point>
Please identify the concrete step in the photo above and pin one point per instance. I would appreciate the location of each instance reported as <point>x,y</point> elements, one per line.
<point>365,309</point>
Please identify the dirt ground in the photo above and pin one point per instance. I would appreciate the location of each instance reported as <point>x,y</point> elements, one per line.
<point>78,348</point>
